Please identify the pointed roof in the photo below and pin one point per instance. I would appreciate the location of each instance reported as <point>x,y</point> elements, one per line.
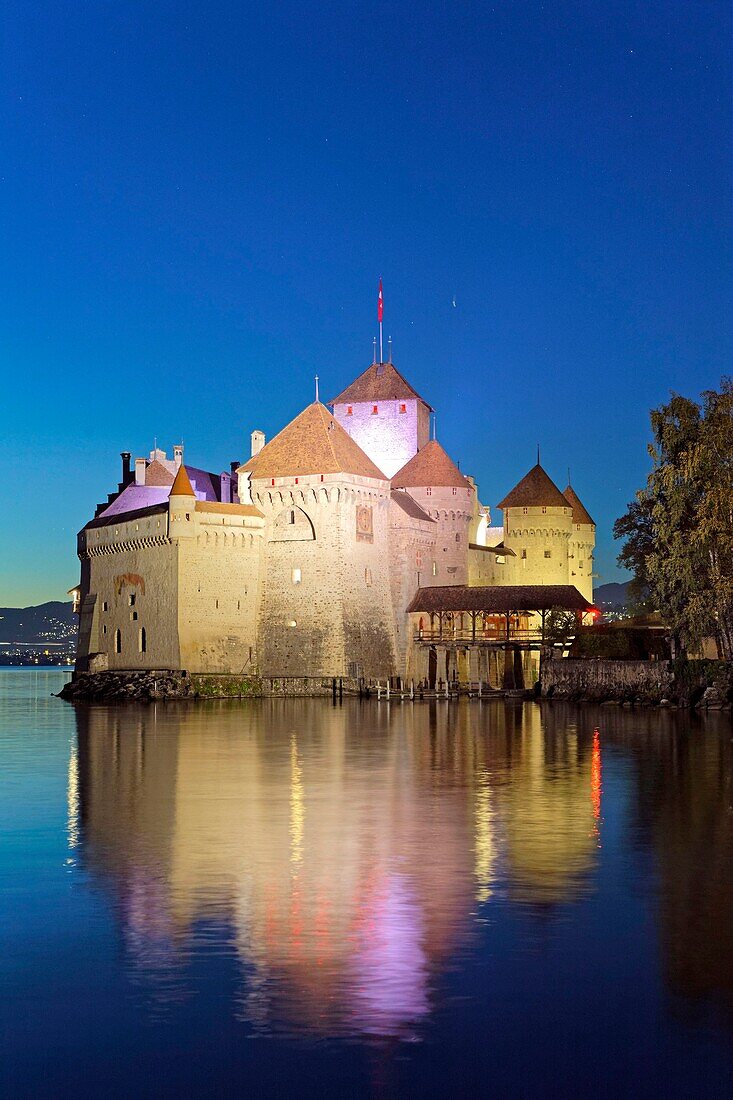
<point>535,490</point>
<point>580,515</point>
<point>379,382</point>
<point>182,486</point>
<point>430,466</point>
<point>313,443</point>
<point>157,474</point>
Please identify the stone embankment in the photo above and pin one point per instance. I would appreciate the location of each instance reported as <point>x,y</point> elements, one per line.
<point>146,687</point>
<point>706,684</point>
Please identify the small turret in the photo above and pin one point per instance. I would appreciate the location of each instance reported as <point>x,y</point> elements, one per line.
<point>181,506</point>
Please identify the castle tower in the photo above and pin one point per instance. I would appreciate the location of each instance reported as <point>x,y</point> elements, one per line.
<point>582,545</point>
<point>537,527</point>
<point>432,478</point>
<point>385,416</point>
<point>326,601</point>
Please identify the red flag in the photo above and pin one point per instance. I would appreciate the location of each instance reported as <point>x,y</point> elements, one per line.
<point>380,303</point>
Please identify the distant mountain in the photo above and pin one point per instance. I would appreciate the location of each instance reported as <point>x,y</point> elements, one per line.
<point>41,625</point>
<point>612,595</point>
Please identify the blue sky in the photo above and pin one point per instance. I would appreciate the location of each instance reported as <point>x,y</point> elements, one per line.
<point>197,201</point>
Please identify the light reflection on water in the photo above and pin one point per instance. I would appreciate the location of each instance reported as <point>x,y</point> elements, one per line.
<point>377,872</point>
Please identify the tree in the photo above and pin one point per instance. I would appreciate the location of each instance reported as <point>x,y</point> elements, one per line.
<point>679,530</point>
<point>560,625</point>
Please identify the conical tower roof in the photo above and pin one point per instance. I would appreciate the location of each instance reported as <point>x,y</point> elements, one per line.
<point>313,443</point>
<point>379,382</point>
<point>535,490</point>
<point>182,486</point>
<point>580,515</point>
<point>430,466</point>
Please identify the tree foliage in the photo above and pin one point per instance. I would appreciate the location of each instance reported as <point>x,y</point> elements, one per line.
<point>678,531</point>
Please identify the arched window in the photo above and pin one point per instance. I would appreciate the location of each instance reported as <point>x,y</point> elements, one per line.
<point>143,640</point>
<point>118,641</point>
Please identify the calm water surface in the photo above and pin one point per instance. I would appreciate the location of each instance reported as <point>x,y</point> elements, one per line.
<point>290,899</point>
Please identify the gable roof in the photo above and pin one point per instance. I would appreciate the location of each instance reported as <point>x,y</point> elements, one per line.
<point>580,515</point>
<point>409,505</point>
<point>182,486</point>
<point>313,443</point>
<point>157,474</point>
<point>379,382</point>
<point>535,490</point>
<point>430,466</point>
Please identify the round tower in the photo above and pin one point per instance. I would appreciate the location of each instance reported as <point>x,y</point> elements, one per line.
<point>581,547</point>
<point>537,527</point>
<point>435,482</point>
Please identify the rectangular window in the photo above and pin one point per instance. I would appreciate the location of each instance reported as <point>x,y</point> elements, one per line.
<point>548,553</point>
<point>296,576</point>
<point>524,555</point>
<point>349,410</point>
<point>132,600</point>
<point>524,511</point>
<point>105,606</point>
<point>403,408</point>
<point>133,616</point>
<point>428,492</point>
<point>500,560</point>
<point>455,491</point>
<point>418,559</point>
<point>544,511</point>
<point>458,538</point>
<point>375,410</point>
<point>435,569</point>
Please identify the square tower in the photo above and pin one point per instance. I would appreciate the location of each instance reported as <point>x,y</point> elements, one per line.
<point>383,414</point>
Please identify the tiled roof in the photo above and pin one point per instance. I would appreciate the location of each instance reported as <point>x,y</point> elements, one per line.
<point>500,550</point>
<point>535,490</point>
<point>228,509</point>
<point>499,598</point>
<point>313,443</point>
<point>134,497</point>
<point>431,466</point>
<point>108,518</point>
<point>410,506</point>
<point>157,474</point>
<point>182,486</point>
<point>379,382</point>
<point>580,515</point>
<point>206,486</point>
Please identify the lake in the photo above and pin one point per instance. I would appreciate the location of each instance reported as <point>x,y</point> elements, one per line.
<point>287,898</point>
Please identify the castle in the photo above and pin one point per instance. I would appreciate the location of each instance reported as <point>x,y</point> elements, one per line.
<point>349,545</point>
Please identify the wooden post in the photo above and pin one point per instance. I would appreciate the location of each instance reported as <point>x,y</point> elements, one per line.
<point>473,626</point>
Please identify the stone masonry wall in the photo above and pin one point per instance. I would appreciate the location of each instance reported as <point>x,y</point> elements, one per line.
<point>389,437</point>
<point>565,678</point>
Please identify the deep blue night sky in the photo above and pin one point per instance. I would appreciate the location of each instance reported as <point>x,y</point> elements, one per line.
<point>197,201</point>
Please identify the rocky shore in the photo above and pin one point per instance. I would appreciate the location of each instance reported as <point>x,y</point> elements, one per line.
<point>148,687</point>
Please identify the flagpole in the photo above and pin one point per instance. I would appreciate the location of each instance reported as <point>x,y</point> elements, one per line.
<point>381,351</point>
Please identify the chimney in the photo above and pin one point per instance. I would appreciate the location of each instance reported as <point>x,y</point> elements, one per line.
<point>140,465</point>
<point>258,442</point>
<point>126,475</point>
<point>178,454</point>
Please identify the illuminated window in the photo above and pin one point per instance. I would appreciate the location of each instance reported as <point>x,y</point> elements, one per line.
<point>368,577</point>
<point>118,642</point>
<point>500,560</point>
<point>403,408</point>
<point>105,606</point>
<point>143,640</point>
<point>375,410</point>
<point>297,577</point>
<point>349,410</point>
<point>435,569</point>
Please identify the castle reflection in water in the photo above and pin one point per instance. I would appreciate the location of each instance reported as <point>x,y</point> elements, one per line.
<point>343,856</point>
